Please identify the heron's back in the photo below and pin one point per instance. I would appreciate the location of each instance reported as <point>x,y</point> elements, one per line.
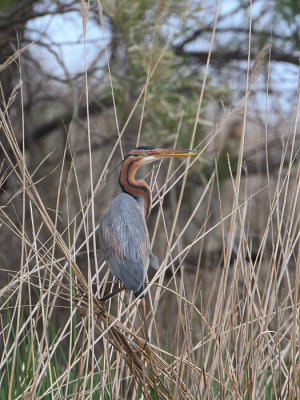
<point>124,241</point>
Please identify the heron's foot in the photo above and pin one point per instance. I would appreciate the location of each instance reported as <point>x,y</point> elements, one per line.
<point>147,349</point>
<point>98,313</point>
<point>150,357</point>
<point>101,303</point>
<point>99,306</point>
<point>82,311</point>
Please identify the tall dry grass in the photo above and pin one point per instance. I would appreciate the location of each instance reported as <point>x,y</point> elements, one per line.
<point>240,340</point>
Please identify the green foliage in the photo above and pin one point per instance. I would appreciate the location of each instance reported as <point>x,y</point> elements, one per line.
<point>26,363</point>
<point>174,85</point>
<point>288,9</point>
<point>226,155</point>
<point>6,3</point>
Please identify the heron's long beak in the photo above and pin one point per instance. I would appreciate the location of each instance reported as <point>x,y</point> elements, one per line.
<point>167,153</point>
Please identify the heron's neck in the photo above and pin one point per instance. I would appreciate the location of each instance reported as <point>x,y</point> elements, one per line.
<point>136,188</point>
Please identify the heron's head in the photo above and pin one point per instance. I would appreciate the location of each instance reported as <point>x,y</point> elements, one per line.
<point>144,154</point>
<point>134,160</point>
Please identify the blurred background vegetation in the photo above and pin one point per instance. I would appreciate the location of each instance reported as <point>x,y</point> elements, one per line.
<point>130,37</point>
<point>135,33</point>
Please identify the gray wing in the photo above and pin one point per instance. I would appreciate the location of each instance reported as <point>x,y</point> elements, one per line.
<point>124,241</point>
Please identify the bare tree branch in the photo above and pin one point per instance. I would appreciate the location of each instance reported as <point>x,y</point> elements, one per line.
<point>225,56</point>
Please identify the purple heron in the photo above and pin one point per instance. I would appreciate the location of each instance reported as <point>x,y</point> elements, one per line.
<point>124,238</point>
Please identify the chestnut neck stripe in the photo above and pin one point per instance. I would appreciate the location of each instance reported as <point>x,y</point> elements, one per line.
<point>132,187</point>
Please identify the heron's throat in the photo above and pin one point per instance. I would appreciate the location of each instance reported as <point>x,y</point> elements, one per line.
<point>136,188</point>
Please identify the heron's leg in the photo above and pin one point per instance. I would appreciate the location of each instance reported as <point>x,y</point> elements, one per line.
<point>143,306</point>
<point>113,293</point>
